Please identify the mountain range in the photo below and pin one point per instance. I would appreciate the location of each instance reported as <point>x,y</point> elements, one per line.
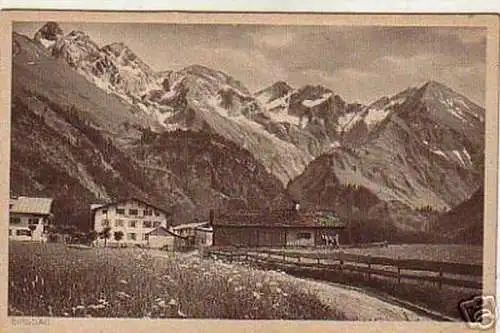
<point>106,124</point>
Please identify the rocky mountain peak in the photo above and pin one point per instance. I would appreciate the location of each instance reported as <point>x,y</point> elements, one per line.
<point>48,34</point>
<point>277,90</point>
<point>282,85</point>
<point>117,49</point>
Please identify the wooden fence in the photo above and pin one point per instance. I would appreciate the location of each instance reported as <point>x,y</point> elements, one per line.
<point>440,273</point>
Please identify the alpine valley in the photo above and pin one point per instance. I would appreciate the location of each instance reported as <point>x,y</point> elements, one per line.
<point>93,123</point>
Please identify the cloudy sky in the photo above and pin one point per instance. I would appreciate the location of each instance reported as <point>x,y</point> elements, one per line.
<point>359,63</point>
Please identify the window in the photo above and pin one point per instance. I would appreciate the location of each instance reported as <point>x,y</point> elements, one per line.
<point>132,223</point>
<point>303,235</point>
<point>157,213</point>
<point>10,232</point>
<point>133,212</point>
<point>33,220</point>
<point>148,212</point>
<point>132,236</point>
<point>119,223</point>
<point>147,224</point>
<point>15,220</point>
<point>145,237</point>
<point>105,223</point>
<point>23,232</point>
<point>104,212</point>
<point>120,211</point>
<point>156,224</point>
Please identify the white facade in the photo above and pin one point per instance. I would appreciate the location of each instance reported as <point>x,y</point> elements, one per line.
<point>29,217</point>
<point>133,218</point>
<point>19,227</point>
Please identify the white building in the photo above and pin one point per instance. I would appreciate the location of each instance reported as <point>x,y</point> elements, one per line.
<point>29,217</point>
<point>134,218</point>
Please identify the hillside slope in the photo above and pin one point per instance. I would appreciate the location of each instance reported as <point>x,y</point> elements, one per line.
<point>74,142</point>
<point>422,154</point>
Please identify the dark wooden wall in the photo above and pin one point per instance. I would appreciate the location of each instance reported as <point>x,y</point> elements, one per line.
<point>260,237</point>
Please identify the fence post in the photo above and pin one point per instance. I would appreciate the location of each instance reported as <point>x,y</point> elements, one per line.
<point>298,259</point>
<point>319,263</point>
<point>369,267</point>
<point>399,271</point>
<point>284,256</point>
<point>440,277</point>
<point>341,259</point>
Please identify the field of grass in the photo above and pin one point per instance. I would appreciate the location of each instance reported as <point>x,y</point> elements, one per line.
<point>459,253</point>
<point>53,280</point>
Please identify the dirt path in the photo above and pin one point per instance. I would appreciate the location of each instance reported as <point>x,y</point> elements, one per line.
<point>357,305</point>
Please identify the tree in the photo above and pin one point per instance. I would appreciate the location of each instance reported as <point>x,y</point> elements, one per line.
<point>32,228</point>
<point>118,236</point>
<point>105,234</point>
<point>91,236</point>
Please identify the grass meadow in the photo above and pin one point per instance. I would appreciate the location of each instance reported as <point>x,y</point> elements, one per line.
<point>53,280</point>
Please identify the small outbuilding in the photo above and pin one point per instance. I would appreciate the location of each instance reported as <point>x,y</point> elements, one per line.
<point>196,233</point>
<point>162,238</point>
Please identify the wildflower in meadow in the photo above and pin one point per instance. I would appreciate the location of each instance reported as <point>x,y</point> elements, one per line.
<point>181,314</point>
<point>122,295</point>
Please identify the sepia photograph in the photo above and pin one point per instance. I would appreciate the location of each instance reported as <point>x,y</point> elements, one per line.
<point>251,170</point>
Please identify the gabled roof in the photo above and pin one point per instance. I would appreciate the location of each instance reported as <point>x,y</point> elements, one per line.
<point>31,205</point>
<point>94,207</point>
<point>193,225</point>
<point>162,231</point>
<point>282,218</point>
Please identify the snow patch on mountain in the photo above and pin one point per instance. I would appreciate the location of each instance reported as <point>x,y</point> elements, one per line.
<point>47,43</point>
<point>463,157</point>
<point>346,121</point>
<point>374,116</point>
<point>281,102</point>
<point>440,153</point>
<point>282,116</point>
<point>312,103</point>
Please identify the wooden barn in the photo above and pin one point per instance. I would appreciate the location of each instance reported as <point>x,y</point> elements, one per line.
<point>197,233</point>
<point>284,228</point>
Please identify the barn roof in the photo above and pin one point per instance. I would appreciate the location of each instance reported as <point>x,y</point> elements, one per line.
<point>31,205</point>
<point>193,225</point>
<point>162,231</point>
<point>282,218</point>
